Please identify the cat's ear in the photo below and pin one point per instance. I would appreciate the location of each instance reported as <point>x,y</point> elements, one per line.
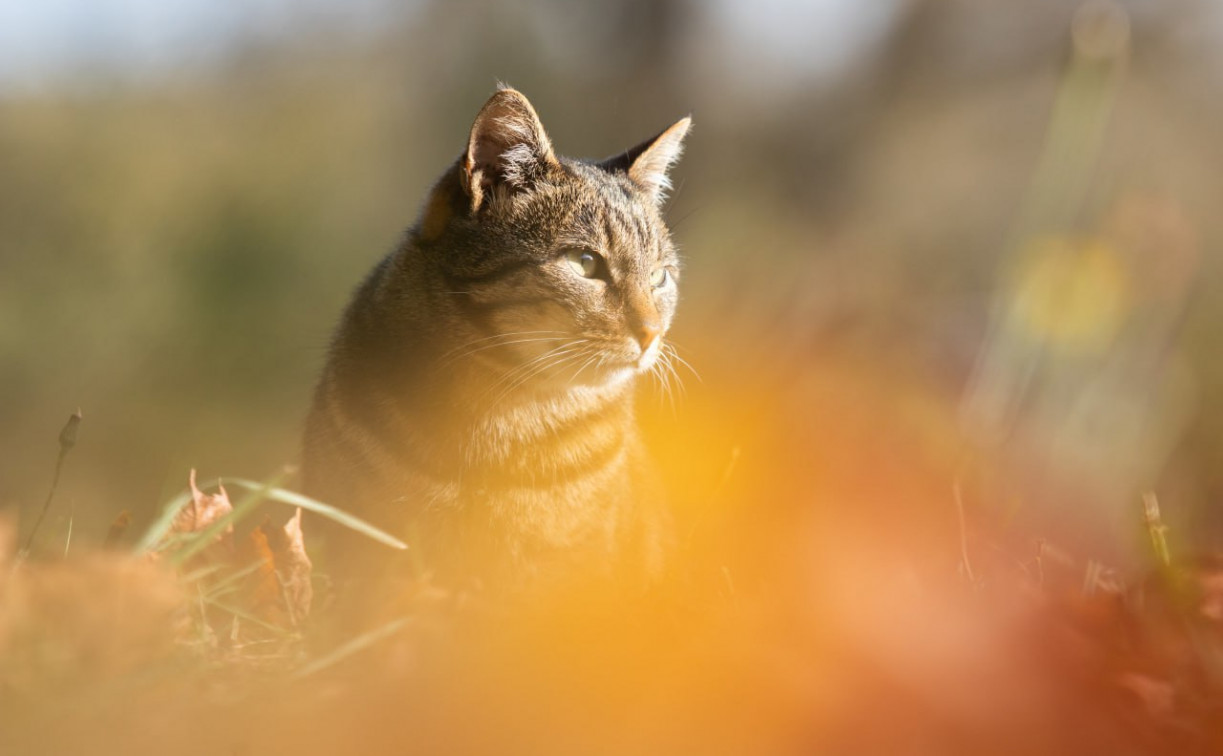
<point>507,150</point>
<point>648,163</point>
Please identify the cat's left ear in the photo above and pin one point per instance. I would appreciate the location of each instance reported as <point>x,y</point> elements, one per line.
<point>649,163</point>
<point>507,149</point>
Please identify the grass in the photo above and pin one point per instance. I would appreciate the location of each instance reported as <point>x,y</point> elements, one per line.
<point>794,640</point>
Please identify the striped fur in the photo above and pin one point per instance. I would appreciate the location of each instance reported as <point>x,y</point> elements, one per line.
<point>478,396</point>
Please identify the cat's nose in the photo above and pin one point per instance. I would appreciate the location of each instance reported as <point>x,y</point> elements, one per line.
<point>647,333</point>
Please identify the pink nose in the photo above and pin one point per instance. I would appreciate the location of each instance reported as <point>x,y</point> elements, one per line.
<point>647,333</point>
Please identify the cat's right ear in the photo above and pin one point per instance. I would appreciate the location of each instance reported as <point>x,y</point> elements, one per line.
<point>507,151</point>
<point>648,164</point>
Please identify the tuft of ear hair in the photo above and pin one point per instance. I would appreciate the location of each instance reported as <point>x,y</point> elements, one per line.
<point>507,149</point>
<point>649,163</point>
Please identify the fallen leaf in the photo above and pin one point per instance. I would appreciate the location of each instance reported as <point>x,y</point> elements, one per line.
<point>294,567</point>
<point>264,597</point>
<point>198,515</point>
<point>203,510</point>
<point>117,529</point>
<point>281,592</point>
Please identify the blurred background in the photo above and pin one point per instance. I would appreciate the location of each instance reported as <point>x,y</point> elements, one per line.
<point>1008,209</point>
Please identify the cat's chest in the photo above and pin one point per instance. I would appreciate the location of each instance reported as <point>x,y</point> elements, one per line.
<point>547,447</point>
<point>554,470</point>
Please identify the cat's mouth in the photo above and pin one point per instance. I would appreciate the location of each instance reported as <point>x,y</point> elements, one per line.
<point>619,367</point>
<point>612,369</point>
<point>635,356</point>
<point>601,363</point>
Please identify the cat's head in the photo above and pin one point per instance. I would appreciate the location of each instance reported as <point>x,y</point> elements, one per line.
<point>557,271</point>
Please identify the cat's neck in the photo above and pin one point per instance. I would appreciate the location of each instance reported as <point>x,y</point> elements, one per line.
<point>501,433</point>
<point>557,407</point>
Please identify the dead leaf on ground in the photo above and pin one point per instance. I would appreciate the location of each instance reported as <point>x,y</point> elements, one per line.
<point>202,512</point>
<point>117,529</point>
<point>263,598</point>
<point>281,592</point>
<point>294,567</point>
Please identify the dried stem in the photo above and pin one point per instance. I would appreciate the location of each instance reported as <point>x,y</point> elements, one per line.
<point>67,440</point>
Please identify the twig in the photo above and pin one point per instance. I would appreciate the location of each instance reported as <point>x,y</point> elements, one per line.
<point>67,440</point>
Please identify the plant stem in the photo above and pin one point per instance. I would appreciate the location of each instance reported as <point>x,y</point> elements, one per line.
<point>67,440</point>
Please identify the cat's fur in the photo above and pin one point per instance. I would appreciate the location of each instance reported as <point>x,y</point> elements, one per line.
<point>478,397</point>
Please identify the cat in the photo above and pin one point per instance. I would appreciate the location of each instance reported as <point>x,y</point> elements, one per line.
<point>477,400</point>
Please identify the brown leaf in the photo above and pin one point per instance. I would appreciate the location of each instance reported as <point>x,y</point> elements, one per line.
<point>281,592</point>
<point>294,567</point>
<point>264,597</point>
<point>203,510</point>
<point>117,529</point>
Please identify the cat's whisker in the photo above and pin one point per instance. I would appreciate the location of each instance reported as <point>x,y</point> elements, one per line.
<point>505,342</point>
<point>512,374</point>
<point>477,350</point>
<point>590,352</point>
<point>506,335</point>
<point>499,340</point>
<point>674,351</point>
<point>657,371</point>
<point>585,365</point>
<point>539,368</point>
<point>677,223</point>
<point>675,386</point>
<point>669,365</point>
<point>524,372</point>
<point>653,371</point>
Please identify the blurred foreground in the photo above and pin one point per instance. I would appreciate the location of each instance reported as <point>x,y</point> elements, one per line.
<point>954,312</point>
<point>833,597</point>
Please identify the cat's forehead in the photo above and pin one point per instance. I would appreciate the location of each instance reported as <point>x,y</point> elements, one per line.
<point>611,208</point>
<point>607,188</point>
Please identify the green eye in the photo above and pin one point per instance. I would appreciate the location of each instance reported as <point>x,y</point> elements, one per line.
<point>659,278</point>
<point>584,263</point>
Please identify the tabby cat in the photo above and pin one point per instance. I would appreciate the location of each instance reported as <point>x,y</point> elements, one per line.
<point>478,396</point>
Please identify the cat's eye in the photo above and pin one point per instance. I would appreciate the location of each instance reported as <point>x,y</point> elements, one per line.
<point>659,278</point>
<point>584,262</point>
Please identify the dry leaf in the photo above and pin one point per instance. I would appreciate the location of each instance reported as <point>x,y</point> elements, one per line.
<point>281,592</point>
<point>203,510</point>
<point>294,567</point>
<point>117,529</point>
<point>263,589</point>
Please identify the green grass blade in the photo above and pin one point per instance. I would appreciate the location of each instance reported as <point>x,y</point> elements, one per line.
<point>356,645</point>
<point>157,531</point>
<point>246,616</point>
<point>206,537</point>
<point>295,499</point>
<point>231,581</point>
